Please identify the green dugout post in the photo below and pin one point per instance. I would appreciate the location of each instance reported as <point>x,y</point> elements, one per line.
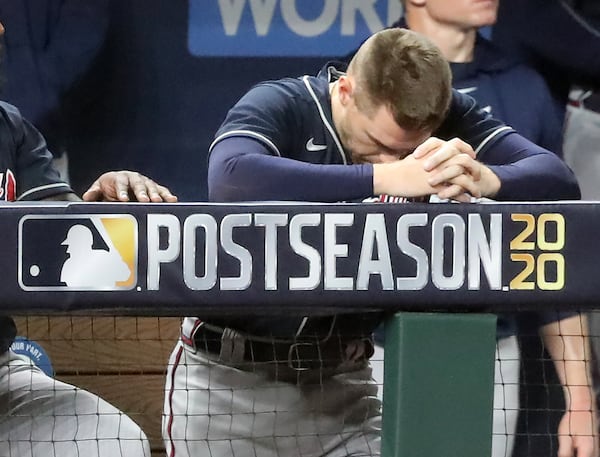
<point>438,385</point>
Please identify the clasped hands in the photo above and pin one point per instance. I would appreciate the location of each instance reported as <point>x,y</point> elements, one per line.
<point>447,169</point>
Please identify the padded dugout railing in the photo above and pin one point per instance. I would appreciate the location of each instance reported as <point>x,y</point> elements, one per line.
<point>462,260</point>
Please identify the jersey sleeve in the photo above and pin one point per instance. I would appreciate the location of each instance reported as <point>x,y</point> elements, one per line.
<point>529,172</point>
<point>526,170</point>
<point>465,120</point>
<point>36,178</point>
<point>242,169</point>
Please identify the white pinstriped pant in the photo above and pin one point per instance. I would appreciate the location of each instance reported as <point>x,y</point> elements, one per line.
<point>217,410</point>
<point>42,417</point>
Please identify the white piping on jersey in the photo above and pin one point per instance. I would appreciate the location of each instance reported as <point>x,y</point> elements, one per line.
<point>40,188</point>
<point>246,133</point>
<point>467,90</point>
<point>490,136</point>
<point>324,119</point>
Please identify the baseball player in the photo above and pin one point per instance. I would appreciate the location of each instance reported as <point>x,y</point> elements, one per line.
<point>301,386</point>
<point>40,416</point>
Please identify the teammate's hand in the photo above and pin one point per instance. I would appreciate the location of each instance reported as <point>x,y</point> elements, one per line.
<point>127,185</point>
<point>577,435</point>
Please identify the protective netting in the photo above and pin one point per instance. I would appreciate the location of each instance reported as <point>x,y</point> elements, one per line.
<point>226,395</point>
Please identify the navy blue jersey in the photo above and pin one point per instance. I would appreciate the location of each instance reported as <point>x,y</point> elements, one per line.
<point>291,119</point>
<point>26,173</point>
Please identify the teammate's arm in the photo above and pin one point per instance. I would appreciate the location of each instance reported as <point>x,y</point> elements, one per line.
<point>64,197</point>
<point>38,179</point>
<point>567,342</point>
<point>122,186</point>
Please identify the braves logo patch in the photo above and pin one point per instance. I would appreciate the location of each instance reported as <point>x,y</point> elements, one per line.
<point>8,186</point>
<point>84,252</point>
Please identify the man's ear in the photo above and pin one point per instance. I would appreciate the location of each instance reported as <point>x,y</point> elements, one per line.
<point>345,89</point>
<point>415,3</point>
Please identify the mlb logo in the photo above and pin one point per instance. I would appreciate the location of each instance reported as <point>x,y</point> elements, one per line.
<point>80,252</point>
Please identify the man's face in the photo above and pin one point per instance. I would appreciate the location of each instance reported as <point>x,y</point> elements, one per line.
<point>463,13</point>
<point>374,136</point>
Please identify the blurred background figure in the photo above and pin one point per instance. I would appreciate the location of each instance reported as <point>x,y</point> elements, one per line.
<point>49,45</point>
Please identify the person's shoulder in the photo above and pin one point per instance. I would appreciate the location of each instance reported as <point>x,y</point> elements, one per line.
<point>289,84</point>
<point>296,86</point>
<point>10,112</point>
<point>272,92</point>
<point>460,102</point>
<point>520,78</point>
<point>527,74</point>
<point>511,73</point>
<point>283,93</point>
<point>491,58</point>
<point>11,124</point>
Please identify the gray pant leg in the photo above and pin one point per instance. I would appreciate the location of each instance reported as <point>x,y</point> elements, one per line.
<point>42,417</point>
<point>217,410</point>
<point>506,396</point>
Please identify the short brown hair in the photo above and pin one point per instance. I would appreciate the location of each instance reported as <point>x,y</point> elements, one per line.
<point>406,72</point>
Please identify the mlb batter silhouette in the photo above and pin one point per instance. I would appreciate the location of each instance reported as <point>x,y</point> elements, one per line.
<point>88,267</point>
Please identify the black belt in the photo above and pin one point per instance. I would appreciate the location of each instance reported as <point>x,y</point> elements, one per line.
<point>305,354</point>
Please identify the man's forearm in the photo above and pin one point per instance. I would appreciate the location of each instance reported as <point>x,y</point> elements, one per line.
<point>567,342</point>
